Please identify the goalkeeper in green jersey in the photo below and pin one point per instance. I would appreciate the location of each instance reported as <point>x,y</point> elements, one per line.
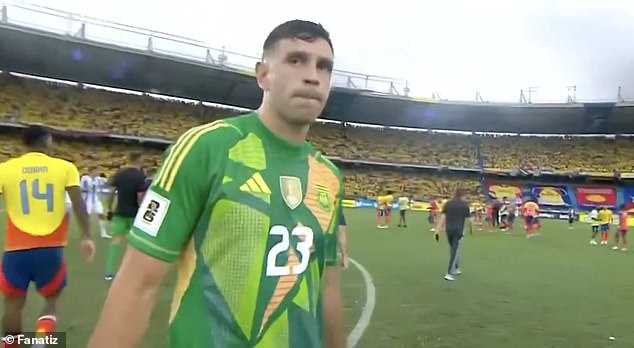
<point>249,211</point>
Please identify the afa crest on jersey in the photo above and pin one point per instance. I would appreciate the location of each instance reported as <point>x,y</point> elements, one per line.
<point>291,187</point>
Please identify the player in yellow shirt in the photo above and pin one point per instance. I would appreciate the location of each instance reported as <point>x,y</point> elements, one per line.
<point>384,205</point>
<point>34,187</point>
<point>605,219</point>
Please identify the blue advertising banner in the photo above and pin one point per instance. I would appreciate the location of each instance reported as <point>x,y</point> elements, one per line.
<point>627,196</point>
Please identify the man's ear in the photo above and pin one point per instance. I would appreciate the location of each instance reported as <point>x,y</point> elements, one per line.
<point>261,73</point>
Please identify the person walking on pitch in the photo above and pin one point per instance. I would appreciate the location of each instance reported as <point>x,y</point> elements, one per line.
<point>593,218</point>
<point>403,207</point>
<point>454,215</point>
<point>620,239</point>
<point>128,184</point>
<point>605,219</point>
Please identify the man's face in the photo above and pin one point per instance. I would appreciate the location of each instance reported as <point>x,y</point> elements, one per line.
<point>295,75</point>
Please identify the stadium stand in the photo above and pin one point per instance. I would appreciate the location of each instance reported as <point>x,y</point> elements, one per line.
<point>87,155</point>
<point>367,183</point>
<point>73,107</point>
<point>559,154</point>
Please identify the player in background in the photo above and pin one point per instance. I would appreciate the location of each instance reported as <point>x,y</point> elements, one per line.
<point>510,219</point>
<point>68,202</point>
<point>605,219</point>
<point>480,215</point>
<point>518,204</point>
<point>91,184</point>
<point>496,212</point>
<point>129,185</point>
<point>504,215</point>
<point>246,206</point>
<point>389,202</point>
<point>34,188</point>
<point>593,219</point>
<point>489,216</point>
<point>380,211</point>
<point>530,212</point>
<point>622,231</point>
<point>571,217</point>
<point>384,205</point>
<point>432,218</point>
<point>403,207</point>
<point>343,239</point>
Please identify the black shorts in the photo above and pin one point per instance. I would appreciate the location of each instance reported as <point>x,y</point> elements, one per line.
<point>571,219</point>
<point>402,212</point>
<point>595,228</point>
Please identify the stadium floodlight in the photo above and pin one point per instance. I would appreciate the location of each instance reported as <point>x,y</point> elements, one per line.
<point>548,94</point>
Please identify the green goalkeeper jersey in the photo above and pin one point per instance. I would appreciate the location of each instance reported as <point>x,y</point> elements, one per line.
<point>252,221</point>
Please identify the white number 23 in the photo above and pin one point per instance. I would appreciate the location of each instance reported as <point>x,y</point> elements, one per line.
<point>304,247</point>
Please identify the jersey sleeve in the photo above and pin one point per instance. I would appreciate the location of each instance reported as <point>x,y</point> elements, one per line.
<point>174,201</point>
<point>72,175</point>
<point>2,175</point>
<point>332,236</point>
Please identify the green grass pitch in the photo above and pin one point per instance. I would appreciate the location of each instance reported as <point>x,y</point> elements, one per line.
<point>555,290</point>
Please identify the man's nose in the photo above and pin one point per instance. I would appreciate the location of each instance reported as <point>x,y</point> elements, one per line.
<point>311,76</point>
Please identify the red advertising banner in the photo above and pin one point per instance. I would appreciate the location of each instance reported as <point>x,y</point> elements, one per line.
<point>596,196</point>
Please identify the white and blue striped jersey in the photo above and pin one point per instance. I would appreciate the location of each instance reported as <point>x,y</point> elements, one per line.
<point>593,217</point>
<point>90,188</point>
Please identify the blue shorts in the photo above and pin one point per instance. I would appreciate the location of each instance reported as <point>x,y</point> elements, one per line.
<point>43,266</point>
<point>605,227</point>
<point>530,220</point>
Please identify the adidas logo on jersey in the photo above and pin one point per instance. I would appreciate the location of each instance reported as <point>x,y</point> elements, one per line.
<point>257,187</point>
<point>256,184</point>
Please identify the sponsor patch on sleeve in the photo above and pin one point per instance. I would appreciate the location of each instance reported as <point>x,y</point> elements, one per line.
<point>152,212</point>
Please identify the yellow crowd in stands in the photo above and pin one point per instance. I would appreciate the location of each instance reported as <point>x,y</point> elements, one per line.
<point>578,154</point>
<point>33,101</point>
<point>86,155</point>
<point>359,183</point>
<point>365,183</point>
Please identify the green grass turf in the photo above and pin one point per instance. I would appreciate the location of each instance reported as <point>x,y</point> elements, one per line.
<point>552,291</point>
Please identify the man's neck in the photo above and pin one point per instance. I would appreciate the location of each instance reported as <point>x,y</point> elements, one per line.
<point>284,130</point>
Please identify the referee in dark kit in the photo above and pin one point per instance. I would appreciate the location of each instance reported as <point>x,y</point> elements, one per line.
<point>454,214</point>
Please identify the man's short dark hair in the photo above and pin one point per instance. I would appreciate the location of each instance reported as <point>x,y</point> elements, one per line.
<point>459,193</point>
<point>134,156</point>
<point>296,29</point>
<point>35,136</point>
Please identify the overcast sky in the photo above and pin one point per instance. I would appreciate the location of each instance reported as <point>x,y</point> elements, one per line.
<point>454,48</point>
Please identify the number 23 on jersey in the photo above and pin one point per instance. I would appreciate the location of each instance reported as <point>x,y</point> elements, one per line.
<point>304,248</point>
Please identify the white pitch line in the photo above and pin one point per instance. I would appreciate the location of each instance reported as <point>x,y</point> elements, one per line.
<point>368,309</point>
